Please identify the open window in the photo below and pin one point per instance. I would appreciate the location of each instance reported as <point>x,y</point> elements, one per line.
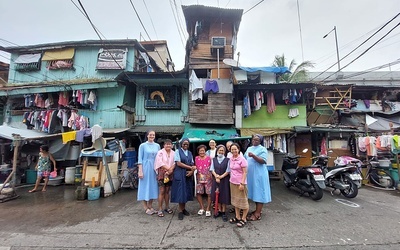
<point>28,62</point>
<point>163,97</point>
<point>59,59</point>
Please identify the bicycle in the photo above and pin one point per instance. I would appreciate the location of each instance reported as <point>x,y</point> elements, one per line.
<point>129,177</point>
<point>377,176</point>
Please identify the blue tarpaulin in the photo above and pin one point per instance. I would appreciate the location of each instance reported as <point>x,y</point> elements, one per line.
<point>276,70</point>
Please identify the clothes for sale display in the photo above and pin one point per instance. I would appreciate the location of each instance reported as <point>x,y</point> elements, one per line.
<point>211,86</point>
<point>39,101</point>
<point>92,100</point>
<point>63,98</point>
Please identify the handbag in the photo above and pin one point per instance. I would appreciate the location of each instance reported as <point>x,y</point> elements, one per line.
<point>53,174</point>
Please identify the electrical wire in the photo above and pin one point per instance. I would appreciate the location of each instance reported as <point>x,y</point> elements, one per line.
<point>140,20</point>
<point>348,44</point>
<point>365,50</point>
<point>177,25</point>
<point>151,19</point>
<point>387,23</point>
<point>253,7</point>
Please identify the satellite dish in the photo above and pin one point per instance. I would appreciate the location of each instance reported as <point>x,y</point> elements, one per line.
<point>231,62</point>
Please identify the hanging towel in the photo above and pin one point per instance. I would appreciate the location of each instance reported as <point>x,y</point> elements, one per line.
<point>68,136</point>
<point>293,112</point>
<point>271,107</point>
<point>195,87</point>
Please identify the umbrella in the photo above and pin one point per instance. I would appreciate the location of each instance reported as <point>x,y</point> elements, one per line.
<point>216,201</point>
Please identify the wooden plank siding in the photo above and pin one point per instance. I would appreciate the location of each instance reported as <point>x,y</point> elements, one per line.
<point>219,110</point>
<point>201,57</point>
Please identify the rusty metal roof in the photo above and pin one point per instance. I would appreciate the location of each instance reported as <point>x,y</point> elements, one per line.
<point>196,12</point>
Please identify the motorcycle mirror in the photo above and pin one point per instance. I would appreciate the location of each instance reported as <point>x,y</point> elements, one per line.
<point>305,150</point>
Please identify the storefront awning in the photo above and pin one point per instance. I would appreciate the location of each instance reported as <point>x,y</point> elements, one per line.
<point>207,133</point>
<point>28,58</point>
<point>264,131</point>
<point>158,129</point>
<point>114,130</point>
<point>7,133</point>
<point>60,54</point>
<point>307,129</point>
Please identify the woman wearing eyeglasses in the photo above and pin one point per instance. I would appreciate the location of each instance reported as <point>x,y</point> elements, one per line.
<point>182,184</point>
<point>259,189</point>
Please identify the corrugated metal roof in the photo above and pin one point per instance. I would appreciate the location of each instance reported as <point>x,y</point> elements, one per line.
<point>158,129</point>
<point>7,133</point>
<point>194,12</point>
<point>74,44</point>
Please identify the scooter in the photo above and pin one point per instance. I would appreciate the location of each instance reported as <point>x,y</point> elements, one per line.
<point>343,176</point>
<point>308,179</point>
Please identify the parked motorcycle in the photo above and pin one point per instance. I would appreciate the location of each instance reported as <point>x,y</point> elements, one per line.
<point>344,176</point>
<point>308,179</point>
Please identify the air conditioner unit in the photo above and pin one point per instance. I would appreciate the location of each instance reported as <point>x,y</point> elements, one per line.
<point>218,42</point>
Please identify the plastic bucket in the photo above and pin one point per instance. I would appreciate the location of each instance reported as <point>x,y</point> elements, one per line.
<point>31,176</point>
<point>93,193</point>
<point>70,175</point>
<point>80,193</point>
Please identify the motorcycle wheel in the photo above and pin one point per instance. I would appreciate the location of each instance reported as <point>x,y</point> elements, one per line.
<point>377,174</point>
<point>318,193</point>
<point>352,190</point>
<point>287,184</point>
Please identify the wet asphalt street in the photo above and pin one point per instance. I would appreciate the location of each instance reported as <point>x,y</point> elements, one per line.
<point>56,220</point>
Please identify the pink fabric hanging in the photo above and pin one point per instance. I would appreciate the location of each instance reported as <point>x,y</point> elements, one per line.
<point>271,107</point>
<point>323,147</point>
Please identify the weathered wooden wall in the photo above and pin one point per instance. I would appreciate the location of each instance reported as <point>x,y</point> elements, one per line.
<point>217,111</point>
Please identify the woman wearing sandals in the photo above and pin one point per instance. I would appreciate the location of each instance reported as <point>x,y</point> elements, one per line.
<point>204,179</point>
<point>238,186</point>
<point>43,168</point>
<point>257,176</point>
<point>182,186</point>
<point>220,170</point>
<point>164,166</point>
<point>148,187</point>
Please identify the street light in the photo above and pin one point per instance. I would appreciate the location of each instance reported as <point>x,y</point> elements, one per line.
<point>337,47</point>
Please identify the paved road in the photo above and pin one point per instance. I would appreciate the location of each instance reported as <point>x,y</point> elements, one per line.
<point>55,220</point>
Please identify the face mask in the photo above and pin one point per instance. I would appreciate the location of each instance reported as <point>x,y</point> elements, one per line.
<point>220,155</point>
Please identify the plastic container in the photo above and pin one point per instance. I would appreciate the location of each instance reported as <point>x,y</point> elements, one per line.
<point>78,169</point>
<point>93,193</point>
<point>70,175</point>
<point>31,176</point>
<point>395,175</point>
<point>384,163</point>
<point>107,187</point>
<point>78,179</point>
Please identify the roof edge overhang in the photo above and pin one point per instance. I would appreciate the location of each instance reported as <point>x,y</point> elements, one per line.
<point>46,88</point>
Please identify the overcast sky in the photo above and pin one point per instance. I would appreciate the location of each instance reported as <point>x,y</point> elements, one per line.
<point>270,28</point>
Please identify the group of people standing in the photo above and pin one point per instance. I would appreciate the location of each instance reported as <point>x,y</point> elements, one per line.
<point>224,175</point>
